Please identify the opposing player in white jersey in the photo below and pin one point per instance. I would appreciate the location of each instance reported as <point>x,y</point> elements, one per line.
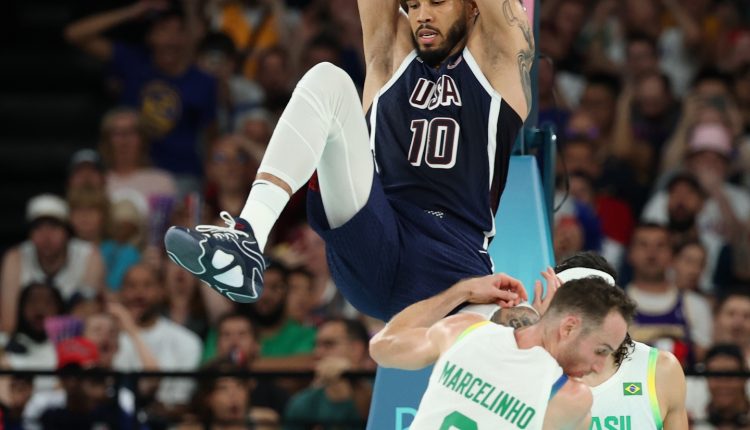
<point>490,376</point>
<point>640,388</point>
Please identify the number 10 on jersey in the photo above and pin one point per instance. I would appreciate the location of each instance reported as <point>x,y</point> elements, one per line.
<point>435,141</point>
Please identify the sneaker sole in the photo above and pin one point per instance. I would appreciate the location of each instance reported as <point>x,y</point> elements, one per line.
<point>187,252</point>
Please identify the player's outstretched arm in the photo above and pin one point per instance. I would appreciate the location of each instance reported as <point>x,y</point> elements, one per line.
<point>386,41</point>
<point>504,42</point>
<point>412,347</point>
<point>416,336</point>
<point>670,390</point>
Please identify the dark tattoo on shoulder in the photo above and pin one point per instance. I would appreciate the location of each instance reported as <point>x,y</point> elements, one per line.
<point>526,55</point>
<point>516,317</point>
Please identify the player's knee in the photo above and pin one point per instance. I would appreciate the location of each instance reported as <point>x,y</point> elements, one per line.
<point>326,75</point>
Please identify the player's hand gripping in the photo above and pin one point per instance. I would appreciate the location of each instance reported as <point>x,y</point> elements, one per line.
<point>500,289</point>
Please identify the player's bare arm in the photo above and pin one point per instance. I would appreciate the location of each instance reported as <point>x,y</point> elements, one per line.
<point>670,390</point>
<point>570,408</point>
<point>387,41</point>
<point>503,43</point>
<point>408,345</point>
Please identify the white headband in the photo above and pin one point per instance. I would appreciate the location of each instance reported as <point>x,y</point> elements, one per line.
<point>584,272</point>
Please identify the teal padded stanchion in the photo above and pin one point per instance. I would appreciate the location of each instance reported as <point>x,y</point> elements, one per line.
<point>522,248</point>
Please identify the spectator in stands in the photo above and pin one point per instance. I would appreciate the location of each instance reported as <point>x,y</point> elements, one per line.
<point>275,77</point>
<point>101,331</point>
<point>727,207</point>
<point>122,249</point>
<point>253,26</point>
<point>217,56</point>
<point>231,167</point>
<point>13,402</point>
<point>85,171</point>
<point>85,402</point>
<point>185,305</point>
<point>641,57</point>
<point>599,100</point>
<point>299,302</point>
<point>256,125</point>
<point>89,214</point>
<point>307,249</point>
<point>226,404</point>
<point>655,113</point>
<point>617,222</point>
<point>333,401</point>
<point>688,266</point>
<point>177,102</point>
<point>124,146</point>
<point>284,344</point>
<point>237,341</point>
<point>723,404</point>
<point>732,321</point>
<point>175,347</point>
<point>29,347</point>
<point>105,329</point>
<point>667,317</point>
<point>50,255</point>
<point>685,200</point>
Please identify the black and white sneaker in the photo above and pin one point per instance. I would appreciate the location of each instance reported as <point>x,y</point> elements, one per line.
<point>228,259</point>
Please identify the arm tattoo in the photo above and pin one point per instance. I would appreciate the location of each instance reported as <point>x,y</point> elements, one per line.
<point>525,56</point>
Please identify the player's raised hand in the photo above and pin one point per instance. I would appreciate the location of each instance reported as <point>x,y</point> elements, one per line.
<point>500,289</point>
<point>541,304</point>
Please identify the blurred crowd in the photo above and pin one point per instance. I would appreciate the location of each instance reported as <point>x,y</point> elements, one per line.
<point>651,103</point>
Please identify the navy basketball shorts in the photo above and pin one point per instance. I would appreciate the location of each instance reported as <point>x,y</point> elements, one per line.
<point>392,254</point>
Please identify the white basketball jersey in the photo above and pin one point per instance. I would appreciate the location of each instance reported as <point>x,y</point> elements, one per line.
<point>485,382</point>
<point>627,400</point>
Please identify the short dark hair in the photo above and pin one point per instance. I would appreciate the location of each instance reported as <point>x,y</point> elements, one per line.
<point>593,299</point>
<point>733,292</point>
<point>650,226</point>
<point>236,315</point>
<point>727,350</point>
<point>712,74</point>
<point>355,329</point>
<point>639,37</point>
<point>610,81</point>
<point>218,41</point>
<point>588,259</point>
<point>688,179</point>
<point>680,246</point>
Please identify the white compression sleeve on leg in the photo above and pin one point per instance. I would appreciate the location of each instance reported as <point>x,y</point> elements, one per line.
<point>323,127</point>
<point>262,209</point>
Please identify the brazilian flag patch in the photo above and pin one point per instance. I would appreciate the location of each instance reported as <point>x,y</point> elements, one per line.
<point>631,389</point>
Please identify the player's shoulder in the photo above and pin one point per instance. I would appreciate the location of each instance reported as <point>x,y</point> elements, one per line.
<point>448,330</point>
<point>668,369</point>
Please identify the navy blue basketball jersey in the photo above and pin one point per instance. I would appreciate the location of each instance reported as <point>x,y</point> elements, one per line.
<point>442,140</point>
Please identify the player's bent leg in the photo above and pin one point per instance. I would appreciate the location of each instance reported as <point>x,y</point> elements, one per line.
<point>344,164</point>
<point>324,111</point>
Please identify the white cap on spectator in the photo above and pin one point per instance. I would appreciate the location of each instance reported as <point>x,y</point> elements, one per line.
<point>86,156</point>
<point>713,136</point>
<point>47,206</point>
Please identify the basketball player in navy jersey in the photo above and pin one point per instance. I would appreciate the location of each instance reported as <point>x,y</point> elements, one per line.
<point>405,197</point>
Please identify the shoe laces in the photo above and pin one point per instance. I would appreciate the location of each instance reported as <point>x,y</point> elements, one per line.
<point>227,232</point>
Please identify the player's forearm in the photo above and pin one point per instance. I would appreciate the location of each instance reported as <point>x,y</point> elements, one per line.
<point>80,31</point>
<point>427,312</point>
<point>409,349</point>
